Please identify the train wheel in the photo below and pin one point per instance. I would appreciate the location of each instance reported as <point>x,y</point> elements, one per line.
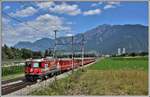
<point>46,77</point>
<point>59,72</point>
<point>49,75</point>
<point>56,73</point>
<point>38,80</point>
<point>32,79</point>
<point>27,79</point>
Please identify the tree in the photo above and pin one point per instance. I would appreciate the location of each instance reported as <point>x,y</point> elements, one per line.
<point>46,53</point>
<point>143,53</point>
<point>8,52</point>
<point>4,55</point>
<point>132,54</point>
<point>26,53</point>
<point>37,54</point>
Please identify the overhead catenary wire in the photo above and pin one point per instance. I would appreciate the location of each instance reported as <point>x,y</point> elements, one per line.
<point>35,29</point>
<point>20,21</point>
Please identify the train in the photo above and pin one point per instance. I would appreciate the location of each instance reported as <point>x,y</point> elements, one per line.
<point>39,69</point>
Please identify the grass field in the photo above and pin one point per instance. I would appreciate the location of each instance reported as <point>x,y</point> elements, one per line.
<point>13,76</point>
<point>109,76</point>
<point>12,69</point>
<point>6,71</point>
<point>117,63</point>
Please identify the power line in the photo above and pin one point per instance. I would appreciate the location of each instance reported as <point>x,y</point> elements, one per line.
<point>20,21</point>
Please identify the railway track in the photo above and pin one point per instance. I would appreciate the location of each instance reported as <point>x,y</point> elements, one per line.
<point>12,80</point>
<point>13,85</point>
<point>8,88</point>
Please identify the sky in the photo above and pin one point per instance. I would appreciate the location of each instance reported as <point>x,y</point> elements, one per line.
<point>30,21</point>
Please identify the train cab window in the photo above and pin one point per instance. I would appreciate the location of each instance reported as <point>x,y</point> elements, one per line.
<point>46,65</point>
<point>35,65</point>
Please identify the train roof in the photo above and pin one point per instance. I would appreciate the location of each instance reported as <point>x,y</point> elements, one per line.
<point>38,60</point>
<point>45,59</point>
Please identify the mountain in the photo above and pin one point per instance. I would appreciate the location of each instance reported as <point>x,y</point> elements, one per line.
<point>108,38</point>
<point>104,39</point>
<point>39,45</point>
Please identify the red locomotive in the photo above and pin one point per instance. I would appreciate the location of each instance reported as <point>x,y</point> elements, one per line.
<point>44,68</point>
<point>40,68</point>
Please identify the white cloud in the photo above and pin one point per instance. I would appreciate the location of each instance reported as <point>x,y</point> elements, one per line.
<point>6,7</point>
<point>55,22</point>
<point>45,4</point>
<point>69,35</point>
<point>70,23</point>
<point>64,8</point>
<point>109,6</point>
<point>8,32</point>
<point>96,4</point>
<point>47,17</point>
<point>25,12</point>
<point>114,3</point>
<point>5,20</point>
<point>92,12</point>
<point>100,2</point>
<point>45,24</point>
<point>48,23</point>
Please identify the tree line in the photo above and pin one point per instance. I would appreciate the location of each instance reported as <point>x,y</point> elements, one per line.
<point>133,54</point>
<point>15,53</point>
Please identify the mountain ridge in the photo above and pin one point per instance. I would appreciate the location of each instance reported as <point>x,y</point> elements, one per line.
<point>103,38</point>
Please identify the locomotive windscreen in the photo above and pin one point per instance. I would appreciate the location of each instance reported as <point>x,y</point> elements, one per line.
<point>35,64</point>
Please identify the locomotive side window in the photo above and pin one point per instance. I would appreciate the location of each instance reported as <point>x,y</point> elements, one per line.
<point>35,64</point>
<point>42,64</point>
<point>46,65</point>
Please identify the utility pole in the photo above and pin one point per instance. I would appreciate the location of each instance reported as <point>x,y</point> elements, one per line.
<point>72,38</point>
<point>54,54</point>
<point>82,48</point>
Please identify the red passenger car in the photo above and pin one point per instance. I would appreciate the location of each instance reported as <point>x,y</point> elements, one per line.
<point>65,64</point>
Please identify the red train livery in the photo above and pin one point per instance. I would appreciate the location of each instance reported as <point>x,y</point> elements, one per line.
<point>44,68</point>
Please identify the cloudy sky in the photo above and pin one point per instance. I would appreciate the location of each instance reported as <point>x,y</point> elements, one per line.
<point>30,21</point>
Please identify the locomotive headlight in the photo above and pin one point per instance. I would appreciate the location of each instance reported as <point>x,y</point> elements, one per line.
<point>31,70</point>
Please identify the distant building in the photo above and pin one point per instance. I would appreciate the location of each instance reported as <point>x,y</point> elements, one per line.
<point>107,55</point>
<point>123,51</point>
<point>119,51</point>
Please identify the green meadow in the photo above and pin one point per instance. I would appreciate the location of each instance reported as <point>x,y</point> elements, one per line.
<point>11,72</point>
<point>122,63</point>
